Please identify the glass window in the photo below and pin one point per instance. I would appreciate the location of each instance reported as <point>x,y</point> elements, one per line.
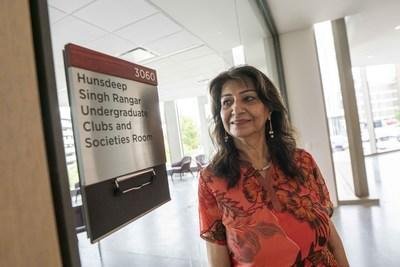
<point>334,110</point>
<point>375,62</point>
<point>189,126</point>
<point>69,147</point>
<point>187,45</point>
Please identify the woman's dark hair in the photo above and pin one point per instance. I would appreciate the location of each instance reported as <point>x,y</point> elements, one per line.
<point>225,162</point>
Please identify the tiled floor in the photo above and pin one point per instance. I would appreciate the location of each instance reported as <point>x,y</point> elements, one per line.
<point>371,232</point>
<point>169,235</point>
<point>344,176</point>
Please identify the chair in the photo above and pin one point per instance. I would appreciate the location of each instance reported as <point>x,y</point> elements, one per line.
<point>181,166</point>
<point>201,161</point>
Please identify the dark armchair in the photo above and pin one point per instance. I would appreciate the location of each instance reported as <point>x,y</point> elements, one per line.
<point>201,161</point>
<point>181,166</point>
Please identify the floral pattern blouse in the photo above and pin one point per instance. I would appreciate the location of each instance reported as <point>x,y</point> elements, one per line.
<point>280,223</point>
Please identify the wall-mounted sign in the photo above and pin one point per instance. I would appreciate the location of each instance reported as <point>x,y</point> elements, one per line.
<point>118,138</point>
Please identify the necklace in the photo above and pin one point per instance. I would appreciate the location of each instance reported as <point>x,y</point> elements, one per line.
<point>266,167</point>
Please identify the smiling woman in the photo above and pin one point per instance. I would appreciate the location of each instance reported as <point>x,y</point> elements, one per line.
<point>260,106</point>
<point>262,201</point>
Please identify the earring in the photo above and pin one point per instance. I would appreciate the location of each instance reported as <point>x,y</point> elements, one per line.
<point>226,138</point>
<point>271,131</point>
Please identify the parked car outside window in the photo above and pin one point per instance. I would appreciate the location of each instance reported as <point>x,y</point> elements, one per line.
<point>339,142</point>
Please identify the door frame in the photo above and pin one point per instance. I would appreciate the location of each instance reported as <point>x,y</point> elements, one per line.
<point>53,133</point>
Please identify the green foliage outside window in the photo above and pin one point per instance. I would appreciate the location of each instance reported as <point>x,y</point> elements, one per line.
<point>398,115</point>
<point>189,134</point>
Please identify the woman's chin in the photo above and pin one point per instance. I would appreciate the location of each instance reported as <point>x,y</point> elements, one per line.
<point>246,134</point>
<point>242,135</point>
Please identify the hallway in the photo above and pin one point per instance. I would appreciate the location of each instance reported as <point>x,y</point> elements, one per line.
<point>169,235</point>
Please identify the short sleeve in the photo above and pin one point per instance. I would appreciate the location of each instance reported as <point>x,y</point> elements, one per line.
<point>317,183</point>
<point>211,226</point>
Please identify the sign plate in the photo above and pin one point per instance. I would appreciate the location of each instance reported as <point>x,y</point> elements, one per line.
<point>118,139</point>
<point>117,124</point>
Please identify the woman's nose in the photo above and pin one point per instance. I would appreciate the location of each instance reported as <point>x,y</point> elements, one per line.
<point>237,107</point>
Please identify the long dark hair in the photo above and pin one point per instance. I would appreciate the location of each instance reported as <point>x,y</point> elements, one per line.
<point>225,162</point>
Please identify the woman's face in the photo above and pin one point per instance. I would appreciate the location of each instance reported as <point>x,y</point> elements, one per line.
<point>242,111</point>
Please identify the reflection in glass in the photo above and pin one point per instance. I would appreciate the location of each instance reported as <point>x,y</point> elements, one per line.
<point>334,110</point>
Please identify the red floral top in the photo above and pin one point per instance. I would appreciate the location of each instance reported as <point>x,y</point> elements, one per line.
<point>287,228</point>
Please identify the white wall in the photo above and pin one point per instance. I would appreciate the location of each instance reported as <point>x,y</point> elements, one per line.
<point>306,101</point>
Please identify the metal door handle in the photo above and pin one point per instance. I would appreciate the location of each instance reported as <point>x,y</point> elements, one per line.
<point>130,176</point>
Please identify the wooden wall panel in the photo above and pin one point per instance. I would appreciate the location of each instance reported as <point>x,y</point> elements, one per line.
<point>28,235</point>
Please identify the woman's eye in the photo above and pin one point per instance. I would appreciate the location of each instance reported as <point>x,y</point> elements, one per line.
<point>226,103</point>
<point>249,98</point>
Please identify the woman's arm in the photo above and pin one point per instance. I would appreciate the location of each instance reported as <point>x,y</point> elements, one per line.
<point>336,247</point>
<point>218,255</point>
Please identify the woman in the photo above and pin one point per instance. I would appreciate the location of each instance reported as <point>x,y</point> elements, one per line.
<point>262,201</point>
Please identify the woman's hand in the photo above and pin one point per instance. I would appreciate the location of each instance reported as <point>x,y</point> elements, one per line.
<point>218,255</point>
<point>336,247</point>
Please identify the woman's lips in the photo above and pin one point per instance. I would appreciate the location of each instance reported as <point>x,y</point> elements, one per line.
<point>239,122</point>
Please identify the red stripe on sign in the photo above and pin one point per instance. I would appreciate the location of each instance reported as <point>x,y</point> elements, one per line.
<point>78,56</point>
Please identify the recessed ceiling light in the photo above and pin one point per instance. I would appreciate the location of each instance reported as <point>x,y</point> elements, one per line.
<point>238,55</point>
<point>138,54</point>
<point>397,27</point>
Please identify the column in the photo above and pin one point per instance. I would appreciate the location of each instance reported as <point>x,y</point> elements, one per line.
<point>350,108</point>
<point>204,127</point>
<point>173,133</point>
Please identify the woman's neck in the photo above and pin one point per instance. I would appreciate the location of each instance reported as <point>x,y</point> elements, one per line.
<point>253,150</point>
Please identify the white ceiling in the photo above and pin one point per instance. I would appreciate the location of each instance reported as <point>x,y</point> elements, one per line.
<point>370,24</point>
<point>192,41</point>
<point>292,15</point>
